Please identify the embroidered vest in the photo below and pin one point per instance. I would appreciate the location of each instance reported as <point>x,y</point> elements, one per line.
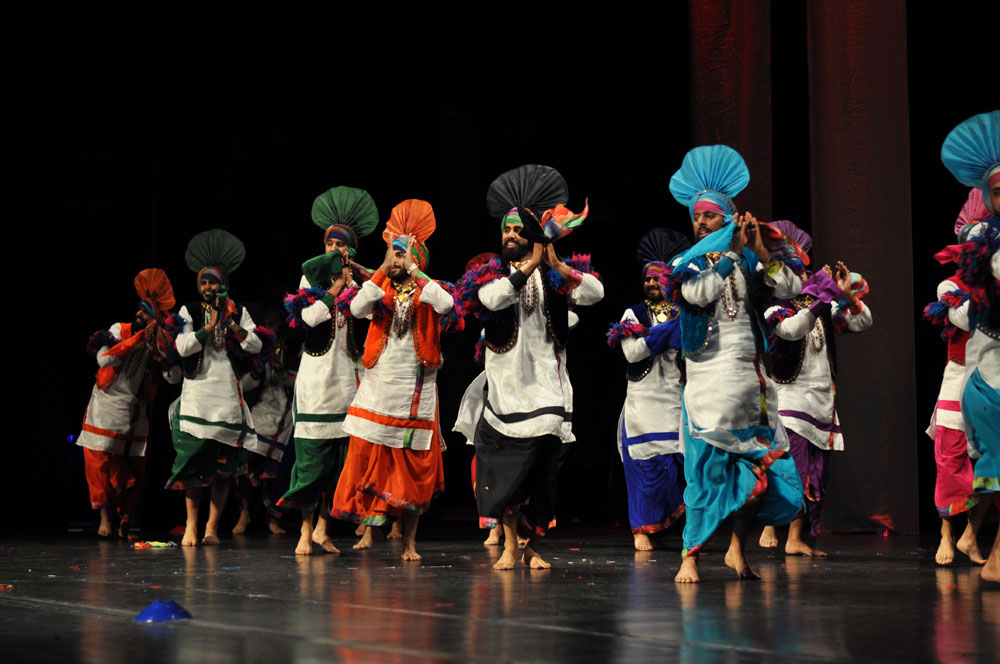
<point>502,326</point>
<point>786,356</point>
<point>424,323</point>
<point>191,365</point>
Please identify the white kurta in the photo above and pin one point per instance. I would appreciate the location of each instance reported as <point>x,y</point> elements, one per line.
<point>812,392</point>
<point>529,390</point>
<point>212,405</point>
<point>272,416</point>
<point>983,352</point>
<point>652,410</point>
<point>398,386</point>
<point>727,388</point>
<point>117,419</point>
<point>326,384</point>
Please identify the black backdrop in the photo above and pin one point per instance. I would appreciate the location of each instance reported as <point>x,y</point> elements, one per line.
<point>116,186</point>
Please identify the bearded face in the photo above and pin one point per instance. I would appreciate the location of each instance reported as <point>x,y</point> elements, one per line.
<point>515,247</point>
<point>652,287</point>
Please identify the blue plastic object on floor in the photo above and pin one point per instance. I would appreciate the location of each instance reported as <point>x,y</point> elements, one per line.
<point>162,611</point>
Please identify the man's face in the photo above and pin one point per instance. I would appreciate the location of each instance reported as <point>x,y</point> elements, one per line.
<point>652,287</point>
<point>515,246</point>
<point>995,197</point>
<point>706,222</point>
<point>398,270</point>
<point>208,288</point>
<point>335,244</point>
<point>142,319</point>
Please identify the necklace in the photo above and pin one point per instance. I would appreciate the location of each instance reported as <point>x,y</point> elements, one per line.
<point>818,337</point>
<point>403,310</point>
<point>661,311</point>
<point>527,294</point>
<point>730,292</point>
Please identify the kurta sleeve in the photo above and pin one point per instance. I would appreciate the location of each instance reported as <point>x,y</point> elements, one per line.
<point>370,293</point>
<point>590,291</point>
<point>957,316</point>
<point>634,348</point>
<point>319,311</point>
<point>105,360</point>
<point>704,288</point>
<point>862,320</point>
<point>785,283</point>
<point>252,343</point>
<point>437,297</point>
<point>187,344</point>
<point>794,327</point>
<point>498,294</point>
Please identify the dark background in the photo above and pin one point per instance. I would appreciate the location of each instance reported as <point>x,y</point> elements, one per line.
<point>119,183</point>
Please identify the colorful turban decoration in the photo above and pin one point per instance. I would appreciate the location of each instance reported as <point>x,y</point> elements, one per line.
<point>411,217</point>
<point>658,247</point>
<point>215,254</point>
<point>156,295</point>
<point>655,269</point>
<point>345,214</point>
<point>971,152</point>
<point>794,233</point>
<point>709,178</point>
<point>973,211</point>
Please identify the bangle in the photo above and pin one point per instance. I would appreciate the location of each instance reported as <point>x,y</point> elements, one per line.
<point>412,268</point>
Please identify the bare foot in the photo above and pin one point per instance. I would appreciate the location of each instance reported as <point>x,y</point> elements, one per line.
<point>410,553</point>
<point>125,532</point>
<point>360,530</point>
<point>740,564</point>
<point>769,538</point>
<point>327,546</point>
<point>190,536</point>
<point>494,537</point>
<point>946,552</point>
<point>800,548</point>
<point>531,558</point>
<point>396,532</point>
<point>968,545</point>
<point>210,539</point>
<point>243,523</point>
<point>305,545</point>
<point>275,527</point>
<point>104,530</point>
<point>506,560</point>
<point>688,572</point>
<point>991,571</point>
<point>366,539</point>
<point>642,542</point>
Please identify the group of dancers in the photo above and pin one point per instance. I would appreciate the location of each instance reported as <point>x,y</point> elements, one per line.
<point>730,413</point>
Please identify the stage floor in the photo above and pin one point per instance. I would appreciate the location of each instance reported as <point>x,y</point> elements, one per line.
<point>873,599</point>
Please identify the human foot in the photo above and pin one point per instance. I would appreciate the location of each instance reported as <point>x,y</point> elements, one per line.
<point>396,532</point>
<point>210,539</point>
<point>410,553</point>
<point>305,546</point>
<point>104,530</point>
<point>327,546</point>
<point>968,545</point>
<point>190,536</point>
<point>769,538</point>
<point>531,558</point>
<point>275,527</point>
<point>642,542</point>
<point>494,537</point>
<point>800,548</point>
<point>366,539</point>
<point>738,562</point>
<point>243,523</point>
<point>946,551</point>
<point>688,572</point>
<point>506,560</point>
<point>991,571</point>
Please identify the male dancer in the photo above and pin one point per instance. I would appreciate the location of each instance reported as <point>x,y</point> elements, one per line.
<point>116,424</point>
<point>212,420</point>
<point>971,151</point>
<point>735,462</point>
<point>527,419</point>
<point>330,371</point>
<point>393,466</point>
<point>803,365</point>
<point>648,439</point>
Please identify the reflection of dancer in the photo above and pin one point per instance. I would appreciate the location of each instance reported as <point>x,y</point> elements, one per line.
<point>394,465</point>
<point>953,492</point>
<point>735,460</point>
<point>212,420</point>
<point>648,439</point>
<point>116,424</point>
<point>329,371</point>
<point>803,366</point>
<point>522,301</point>
<point>972,153</point>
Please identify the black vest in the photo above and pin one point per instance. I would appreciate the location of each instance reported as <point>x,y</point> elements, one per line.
<point>319,339</point>
<point>786,356</point>
<point>192,363</point>
<point>502,326</point>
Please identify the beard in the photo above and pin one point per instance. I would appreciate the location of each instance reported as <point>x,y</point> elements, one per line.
<point>654,294</point>
<point>512,254</point>
<point>138,324</point>
<point>398,274</point>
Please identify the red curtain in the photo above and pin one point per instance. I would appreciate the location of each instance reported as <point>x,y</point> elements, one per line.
<point>860,179</point>
<point>731,87</point>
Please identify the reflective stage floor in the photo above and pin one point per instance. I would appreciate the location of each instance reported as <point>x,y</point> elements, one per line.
<point>873,599</point>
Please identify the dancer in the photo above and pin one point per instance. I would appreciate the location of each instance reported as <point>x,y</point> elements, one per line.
<point>394,465</point>
<point>212,422</point>
<point>735,462</point>
<point>522,300</point>
<point>116,423</point>
<point>648,439</point>
<point>330,370</point>
<point>972,153</point>
<point>953,494</point>
<point>803,363</point>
